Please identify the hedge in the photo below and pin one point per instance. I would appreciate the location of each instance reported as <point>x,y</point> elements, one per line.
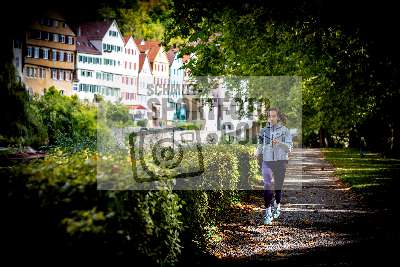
<point>56,201</point>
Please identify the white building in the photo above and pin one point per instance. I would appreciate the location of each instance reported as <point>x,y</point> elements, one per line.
<point>145,80</point>
<point>100,53</point>
<point>130,73</point>
<point>159,65</point>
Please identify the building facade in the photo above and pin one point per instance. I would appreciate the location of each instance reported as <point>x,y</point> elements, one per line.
<point>48,54</point>
<point>100,61</point>
<point>129,90</point>
<point>158,93</point>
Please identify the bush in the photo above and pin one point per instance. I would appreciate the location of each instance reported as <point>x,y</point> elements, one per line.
<point>142,123</point>
<point>19,120</point>
<point>69,123</point>
<point>56,200</point>
<point>188,126</point>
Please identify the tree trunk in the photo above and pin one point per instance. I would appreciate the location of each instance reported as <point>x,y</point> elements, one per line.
<point>321,137</point>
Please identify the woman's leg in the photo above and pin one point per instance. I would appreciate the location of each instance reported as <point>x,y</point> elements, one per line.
<point>279,175</point>
<point>267,178</point>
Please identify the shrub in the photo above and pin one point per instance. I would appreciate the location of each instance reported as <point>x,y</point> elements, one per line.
<point>56,200</point>
<point>69,123</point>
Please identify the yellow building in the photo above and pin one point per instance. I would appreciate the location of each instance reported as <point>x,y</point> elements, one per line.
<point>49,55</point>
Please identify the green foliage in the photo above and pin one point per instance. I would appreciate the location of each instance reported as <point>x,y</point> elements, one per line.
<point>142,20</point>
<point>69,123</point>
<point>21,124</point>
<point>142,123</point>
<point>188,125</point>
<point>343,81</point>
<point>62,189</point>
<point>59,194</point>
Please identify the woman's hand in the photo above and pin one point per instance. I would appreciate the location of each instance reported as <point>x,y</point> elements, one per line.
<point>275,141</point>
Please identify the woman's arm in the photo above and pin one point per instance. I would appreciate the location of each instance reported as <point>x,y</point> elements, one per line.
<point>260,142</point>
<point>287,141</point>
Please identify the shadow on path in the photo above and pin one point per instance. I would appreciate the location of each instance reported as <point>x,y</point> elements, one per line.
<point>322,223</point>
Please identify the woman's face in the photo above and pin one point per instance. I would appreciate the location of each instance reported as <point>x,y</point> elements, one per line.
<point>273,117</point>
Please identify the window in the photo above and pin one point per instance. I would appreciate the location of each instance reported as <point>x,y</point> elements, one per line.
<point>54,74</point>
<point>80,58</point>
<point>70,40</point>
<point>113,33</point>
<point>64,25</point>
<point>45,53</point>
<point>62,39</point>
<point>29,51</point>
<point>46,36</point>
<point>55,23</point>
<point>61,75</point>
<point>42,73</point>
<point>37,35</point>
<point>55,37</point>
<point>54,55</point>
<point>28,71</point>
<point>61,56</point>
<point>69,58</point>
<point>130,65</point>
<point>36,52</point>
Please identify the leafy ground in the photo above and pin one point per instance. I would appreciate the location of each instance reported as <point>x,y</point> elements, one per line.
<point>324,222</point>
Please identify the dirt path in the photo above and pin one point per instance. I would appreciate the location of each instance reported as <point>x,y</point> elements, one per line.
<point>322,223</point>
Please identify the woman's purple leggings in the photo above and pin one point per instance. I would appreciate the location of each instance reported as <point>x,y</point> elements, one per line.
<point>276,169</point>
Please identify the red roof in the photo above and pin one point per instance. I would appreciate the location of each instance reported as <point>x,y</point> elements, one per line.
<point>142,58</point>
<point>83,45</point>
<point>136,107</point>
<point>151,48</point>
<point>126,38</point>
<point>95,30</point>
<point>171,55</point>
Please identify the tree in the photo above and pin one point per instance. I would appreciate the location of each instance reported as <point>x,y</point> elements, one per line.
<point>335,59</point>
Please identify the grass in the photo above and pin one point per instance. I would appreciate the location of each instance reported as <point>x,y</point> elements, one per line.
<point>372,176</point>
